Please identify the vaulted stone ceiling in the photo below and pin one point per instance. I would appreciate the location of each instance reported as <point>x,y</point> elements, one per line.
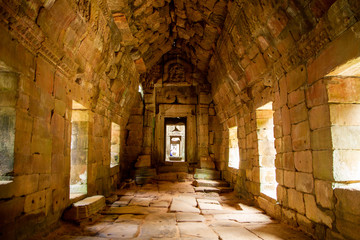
<point>151,28</point>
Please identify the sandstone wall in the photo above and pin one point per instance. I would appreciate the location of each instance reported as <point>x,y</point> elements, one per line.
<point>57,52</point>
<point>286,52</point>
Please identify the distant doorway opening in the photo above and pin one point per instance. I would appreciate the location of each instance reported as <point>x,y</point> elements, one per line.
<point>175,135</point>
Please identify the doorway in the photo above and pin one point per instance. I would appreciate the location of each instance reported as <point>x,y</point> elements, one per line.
<point>175,139</point>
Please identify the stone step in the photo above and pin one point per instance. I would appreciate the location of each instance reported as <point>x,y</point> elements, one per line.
<point>210,183</point>
<point>174,176</point>
<point>206,174</point>
<point>174,167</point>
<point>144,175</point>
<point>225,189</point>
<point>207,189</point>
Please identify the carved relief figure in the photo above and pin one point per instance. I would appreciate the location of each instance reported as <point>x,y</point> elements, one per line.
<point>176,73</point>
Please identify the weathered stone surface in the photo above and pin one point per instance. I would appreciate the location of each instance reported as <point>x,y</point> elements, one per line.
<point>206,174</point>
<point>142,202</point>
<point>296,200</point>
<point>209,183</point>
<point>120,230</point>
<point>196,230</point>
<point>185,204</point>
<point>159,226</point>
<point>314,213</point>
<point>208,204</point>
<point>244,218</point>
<point>228,233</point>
<point>274,231</point>
<point>189,217</point>
<point>143,161</point>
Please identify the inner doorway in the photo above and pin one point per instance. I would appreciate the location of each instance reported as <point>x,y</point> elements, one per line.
<point>175,143</point>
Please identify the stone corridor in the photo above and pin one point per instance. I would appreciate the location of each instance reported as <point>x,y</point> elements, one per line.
<point>261,94</point>
<point>173,210</point>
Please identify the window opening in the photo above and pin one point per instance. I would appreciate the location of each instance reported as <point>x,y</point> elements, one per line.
<point>267,152</point>
<point>234,156</point>
<point>8,89</point>
<point>115,144</point>
<point>79,150</point>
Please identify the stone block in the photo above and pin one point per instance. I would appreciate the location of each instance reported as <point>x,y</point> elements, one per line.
<point>298,113</point>
<point>26,184</point>
<point>346,165</point>
<point>315,214</point>
<point>206,174</point>
<point>304,182</point>
<point>60,107</point>
<point>277,23</point>
<point>305,224</point>
<point>296,200</point>
<point>296,97</point>
<point>45,75</point>
<point>321,139</point>
<point>34,201</point>
<point>347,210</point>
<point>271,208</point>
<point>343,90</point>
<point>303,161</point>
<point>289,216</point>
<point>11,209</point>
<point>143,161</point>
<point>289,179</point>
<point>345,137</point>
<point>283,92</point>
<point>285,120</point>
<point>282,197</point>
<point>300,136</point>
<point>207,162</point>
<point>288,161</point>
<point>345,114</point>
<point>324,194</point>
<point>316,94</point>
<point>255,69</point>
<point>296,78</point>
<point>319,117</point>
<point>287,143</point>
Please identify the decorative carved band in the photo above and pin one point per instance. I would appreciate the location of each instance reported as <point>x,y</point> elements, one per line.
<point>32,38</point>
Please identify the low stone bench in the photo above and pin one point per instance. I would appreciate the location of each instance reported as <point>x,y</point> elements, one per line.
<point>85,208</point>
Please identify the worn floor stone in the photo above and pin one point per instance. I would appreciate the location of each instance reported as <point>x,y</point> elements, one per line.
<point>196,230</point>
<point>219,219</point>
<point>184,204</point>
<point>275,232</point>
<point>209,204</point>
<point>161,225</point>
<point>189,217</point>
<point>120,230</point>
<point>143,202</point>
<point>244,218</point>
<point>160,204</point>
<point>123,201</point>
<point>231,233</point>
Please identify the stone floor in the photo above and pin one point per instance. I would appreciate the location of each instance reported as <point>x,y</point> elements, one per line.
<point>173,210</point>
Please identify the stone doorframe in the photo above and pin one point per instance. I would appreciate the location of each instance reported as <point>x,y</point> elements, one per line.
<point>174,111</point>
